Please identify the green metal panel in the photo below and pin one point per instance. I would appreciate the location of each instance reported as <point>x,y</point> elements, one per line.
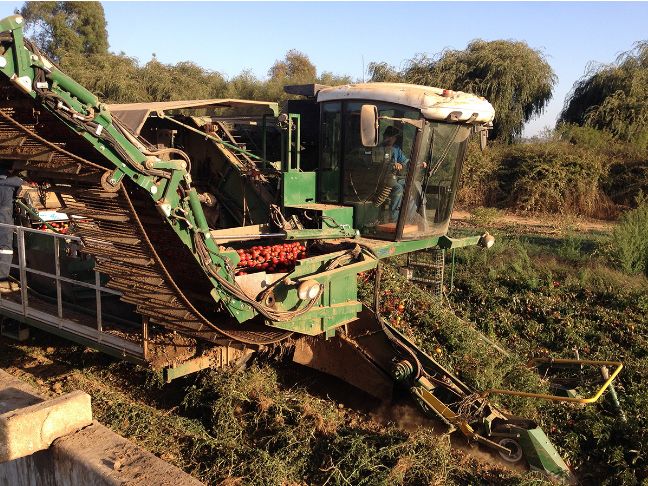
<point>338,303</point>
<point>323,319</point>
<point>321,234</point>
<point>342,215</point>
<point>298,188</point>
<point>170,373</point>
<point>336,221</point>
<point>541,454</point>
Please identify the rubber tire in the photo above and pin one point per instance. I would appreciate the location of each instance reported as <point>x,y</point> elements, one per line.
<point>514,445</point>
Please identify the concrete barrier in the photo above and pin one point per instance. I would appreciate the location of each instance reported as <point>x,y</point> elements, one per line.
<point>30,429</point>
<point>82,452</point>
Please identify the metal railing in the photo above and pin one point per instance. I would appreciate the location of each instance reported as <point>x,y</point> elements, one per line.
<point>58,320</point>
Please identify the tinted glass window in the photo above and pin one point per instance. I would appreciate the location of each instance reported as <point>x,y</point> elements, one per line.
<point>329,171</point>
<point>374,177</point>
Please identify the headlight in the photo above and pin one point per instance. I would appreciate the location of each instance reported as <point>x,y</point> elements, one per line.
<point>487,240</point>
<point>308,289</point>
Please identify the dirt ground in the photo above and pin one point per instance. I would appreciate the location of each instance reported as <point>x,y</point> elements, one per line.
<point>547,224</point>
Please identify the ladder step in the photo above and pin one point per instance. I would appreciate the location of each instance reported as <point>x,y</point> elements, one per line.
<point>425,265</point>
<point>425,280</point>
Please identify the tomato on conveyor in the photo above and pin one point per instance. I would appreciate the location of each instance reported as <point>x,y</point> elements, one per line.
<point>278,258</point>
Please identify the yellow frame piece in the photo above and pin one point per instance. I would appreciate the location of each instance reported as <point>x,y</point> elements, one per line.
<point>617,364</point>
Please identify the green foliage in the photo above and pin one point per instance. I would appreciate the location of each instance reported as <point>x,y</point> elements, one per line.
<point>515,78</point>
<point>483,217</point>
<point>128,82</point>
<point>478,184</point>
<point>628,163</point>
<point>628,177</point>
<point>117,78</point>
<point>60,28</point>
<point>267,434</point>
<point>585,136</point>
<point>453,342</point>
<point>553,177</point>
<point>543,176</point>
<point>123,85</point>
<point>629,240</point>
<point>541,304</point>
<point>296,68</point>
<point>330,79</point>
<point>382,72</point>
<point>571,248</point>
<point>613,97</point>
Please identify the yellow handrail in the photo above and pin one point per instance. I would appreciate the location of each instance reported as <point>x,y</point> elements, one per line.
<point>556,398</point>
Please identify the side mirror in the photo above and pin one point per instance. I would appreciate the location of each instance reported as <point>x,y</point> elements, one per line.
<point>369,125</point>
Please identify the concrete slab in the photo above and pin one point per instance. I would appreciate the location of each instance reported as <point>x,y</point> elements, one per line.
<point>26,430</point>
<point>98,456</point>
<point>15,394</point>
<point>93,455</point>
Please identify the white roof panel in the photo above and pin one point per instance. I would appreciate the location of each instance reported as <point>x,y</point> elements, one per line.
<point>434,103</point>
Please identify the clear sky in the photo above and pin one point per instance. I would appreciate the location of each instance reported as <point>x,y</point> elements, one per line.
<point>229,37</point>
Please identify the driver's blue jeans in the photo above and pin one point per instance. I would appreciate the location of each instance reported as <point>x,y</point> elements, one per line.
<point>396,198</point>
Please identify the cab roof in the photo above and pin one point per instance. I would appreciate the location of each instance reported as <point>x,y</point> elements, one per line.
<point>434,103</point>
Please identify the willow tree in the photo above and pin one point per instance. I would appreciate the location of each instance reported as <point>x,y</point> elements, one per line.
<point>613,97</point>
<point>66,27</point>
<point>382,72</point>
<point>114,78</point>
<point>515,78</point>
<point>294,68</point>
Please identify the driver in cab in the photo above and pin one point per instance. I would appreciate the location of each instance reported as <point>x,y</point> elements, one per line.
<point>400,164</point>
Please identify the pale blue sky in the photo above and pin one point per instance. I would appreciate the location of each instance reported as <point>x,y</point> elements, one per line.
<point>229,37</point>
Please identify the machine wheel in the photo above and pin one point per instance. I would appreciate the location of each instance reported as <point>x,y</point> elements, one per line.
<point>514,447</point>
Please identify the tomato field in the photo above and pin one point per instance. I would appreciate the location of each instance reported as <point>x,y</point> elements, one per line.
<point>275,423</point>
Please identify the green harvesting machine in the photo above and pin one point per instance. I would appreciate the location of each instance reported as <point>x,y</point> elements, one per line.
<point>193,234</point>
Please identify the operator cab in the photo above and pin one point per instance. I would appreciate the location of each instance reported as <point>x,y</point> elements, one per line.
<point>402,180</point>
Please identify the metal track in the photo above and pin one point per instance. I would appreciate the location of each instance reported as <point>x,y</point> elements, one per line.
<point>116,236</point>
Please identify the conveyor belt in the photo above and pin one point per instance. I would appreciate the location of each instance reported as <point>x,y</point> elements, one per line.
<point>132,251</point>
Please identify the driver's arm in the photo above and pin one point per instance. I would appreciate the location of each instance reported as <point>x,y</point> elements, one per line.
<point>400,161</point>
